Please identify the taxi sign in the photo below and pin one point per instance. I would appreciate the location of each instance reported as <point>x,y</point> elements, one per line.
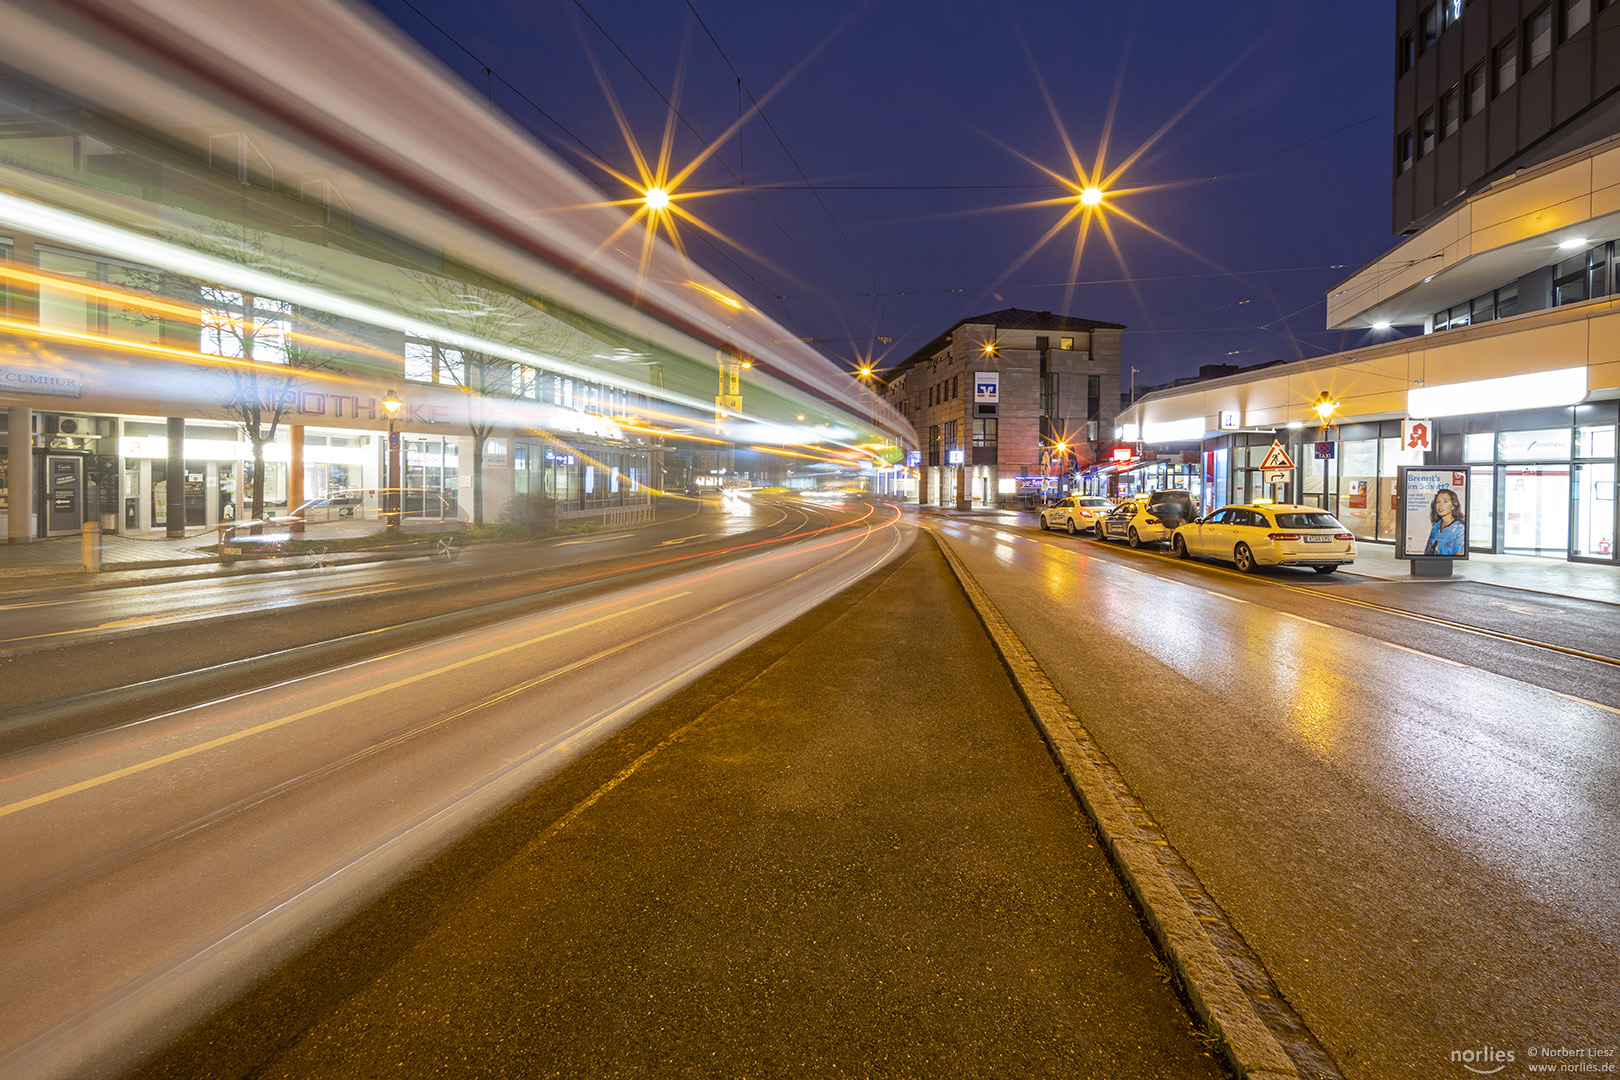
<point>1277,457</point>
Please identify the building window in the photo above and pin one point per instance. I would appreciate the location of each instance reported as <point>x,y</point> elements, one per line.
<point>1577,13</point>
<point>1403,151</point>
<point>1506,60</point>
<point>428,362</point>
<point>1474,84</point>
<point>1429,23</point>
<point>1450,113</point>
<point>1483,308</point>
<point>1583,277</point>
<point>1066,344</point>
<point>228,329</point>
<point>1538,37</point>
<point>1426,133</point>
<point>984,433</point>
<point>951,442</point>
<point>1507,301</point>
<point>1442,321</point>
<point>954,378</point>
<point>1406,53</point>
<point>1450,12</point>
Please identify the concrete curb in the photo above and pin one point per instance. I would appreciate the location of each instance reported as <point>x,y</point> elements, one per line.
<point>1220,1002</point>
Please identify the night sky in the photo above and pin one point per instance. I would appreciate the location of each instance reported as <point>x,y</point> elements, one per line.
<point>882,192</point>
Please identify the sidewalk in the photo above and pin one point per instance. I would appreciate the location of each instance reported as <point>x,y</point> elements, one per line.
<point>1557,577</point>
<point>887,876</point>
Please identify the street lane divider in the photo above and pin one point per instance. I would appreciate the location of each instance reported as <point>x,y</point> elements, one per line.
<point>304,714</point>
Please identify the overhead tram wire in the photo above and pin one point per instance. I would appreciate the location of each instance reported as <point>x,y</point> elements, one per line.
<point>588,150</point>
<point>759,110</point>
<point>712,154</point>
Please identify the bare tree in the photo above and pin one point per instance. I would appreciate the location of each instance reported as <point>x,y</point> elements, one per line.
<point>491,385</point>
<point>258,331</point>
<point>277,350</point>
<point>276,361</point>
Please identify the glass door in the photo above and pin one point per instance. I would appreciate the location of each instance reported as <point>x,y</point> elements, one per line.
<point>1593,493</point>
<point>1535,510</point>
<point>1482,507</point>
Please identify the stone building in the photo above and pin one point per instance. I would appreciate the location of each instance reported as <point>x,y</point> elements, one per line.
<point>1008,404</point>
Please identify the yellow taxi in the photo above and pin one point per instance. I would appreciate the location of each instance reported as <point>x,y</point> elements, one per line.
<point>1076,513</point>
<point>1268,534</point>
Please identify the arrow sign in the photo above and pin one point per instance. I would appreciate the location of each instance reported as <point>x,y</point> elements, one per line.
<point>1277,457</point>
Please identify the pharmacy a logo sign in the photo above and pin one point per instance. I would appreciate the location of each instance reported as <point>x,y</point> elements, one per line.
<point>1483,1061</point>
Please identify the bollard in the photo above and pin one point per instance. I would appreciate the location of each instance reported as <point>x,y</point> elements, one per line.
<point>90,545</point>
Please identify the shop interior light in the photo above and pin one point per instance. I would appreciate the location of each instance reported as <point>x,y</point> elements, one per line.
<point>1539,390</point>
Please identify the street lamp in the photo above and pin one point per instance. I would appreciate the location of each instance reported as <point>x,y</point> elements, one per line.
<point>391,405</point>
<point>1325,406</point>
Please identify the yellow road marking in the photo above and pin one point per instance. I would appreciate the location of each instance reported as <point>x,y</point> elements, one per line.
<point>1426,656</point>
<point>591,540</point>
<point>270,725</point>
<point>1594,704</point>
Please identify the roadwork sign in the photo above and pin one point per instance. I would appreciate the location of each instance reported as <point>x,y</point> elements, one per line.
<point>1277,457</point>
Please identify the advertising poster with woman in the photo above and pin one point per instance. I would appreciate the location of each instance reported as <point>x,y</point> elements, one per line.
<point>1434,513</point>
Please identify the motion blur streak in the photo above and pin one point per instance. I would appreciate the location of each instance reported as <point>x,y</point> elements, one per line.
<point>305,823</point>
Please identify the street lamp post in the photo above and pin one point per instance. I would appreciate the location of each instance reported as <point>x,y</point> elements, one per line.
<point>391,505</point>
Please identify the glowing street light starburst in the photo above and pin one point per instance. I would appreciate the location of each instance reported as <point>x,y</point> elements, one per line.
<point>1093,196</point>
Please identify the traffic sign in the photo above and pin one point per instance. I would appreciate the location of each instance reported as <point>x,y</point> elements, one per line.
<point>1277,457</point>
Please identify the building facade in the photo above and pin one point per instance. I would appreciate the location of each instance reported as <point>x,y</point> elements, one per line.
<point>1007,405</point>
<point>221,262</point>
<point>1487,87</point>
<point>1507,285</point>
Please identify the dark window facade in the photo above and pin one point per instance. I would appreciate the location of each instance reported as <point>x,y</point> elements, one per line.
<point>1503,85</point>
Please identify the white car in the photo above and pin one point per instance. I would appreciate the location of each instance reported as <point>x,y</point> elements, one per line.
<point>1268,534</point>
<point>1076,513</point>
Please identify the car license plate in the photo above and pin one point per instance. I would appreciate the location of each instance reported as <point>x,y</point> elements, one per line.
<point>1318,539</point>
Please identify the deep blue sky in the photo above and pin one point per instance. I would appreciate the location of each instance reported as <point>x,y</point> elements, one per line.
<point>912,120</point>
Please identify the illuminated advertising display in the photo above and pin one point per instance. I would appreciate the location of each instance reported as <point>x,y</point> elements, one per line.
<point>1433,504</point>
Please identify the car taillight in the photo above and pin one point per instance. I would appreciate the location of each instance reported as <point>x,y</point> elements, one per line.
<point>1344,536</point>
<point>1152,520</point>
<point>1283,536</point>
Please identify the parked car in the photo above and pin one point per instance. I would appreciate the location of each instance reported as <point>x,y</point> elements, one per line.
<point>1268,534</point>
<point>1077,513</point>
<point>1147,519</point>
<point>340,514</point>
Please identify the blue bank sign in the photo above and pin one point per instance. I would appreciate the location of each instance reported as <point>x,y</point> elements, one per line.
<point>986,387</point>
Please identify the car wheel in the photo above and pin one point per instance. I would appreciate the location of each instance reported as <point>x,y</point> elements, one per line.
<point>1099,533</point>
<point>1244,558</point>
<point>1072,529</point>
<point>1132,539</point>
<point>1045,526</point>
<point>1178,546</point>
<point>1324,569</point>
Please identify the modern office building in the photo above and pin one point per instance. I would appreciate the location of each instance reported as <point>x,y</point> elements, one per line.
<point>223,260</point>
<point>1007,404</point>
<point>1507,269</point>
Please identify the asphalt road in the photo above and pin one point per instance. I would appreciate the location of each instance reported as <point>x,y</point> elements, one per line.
<point>74,659</point>
<point>155,868</point>
<point>846,852</point>
<point>1411,823</point>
